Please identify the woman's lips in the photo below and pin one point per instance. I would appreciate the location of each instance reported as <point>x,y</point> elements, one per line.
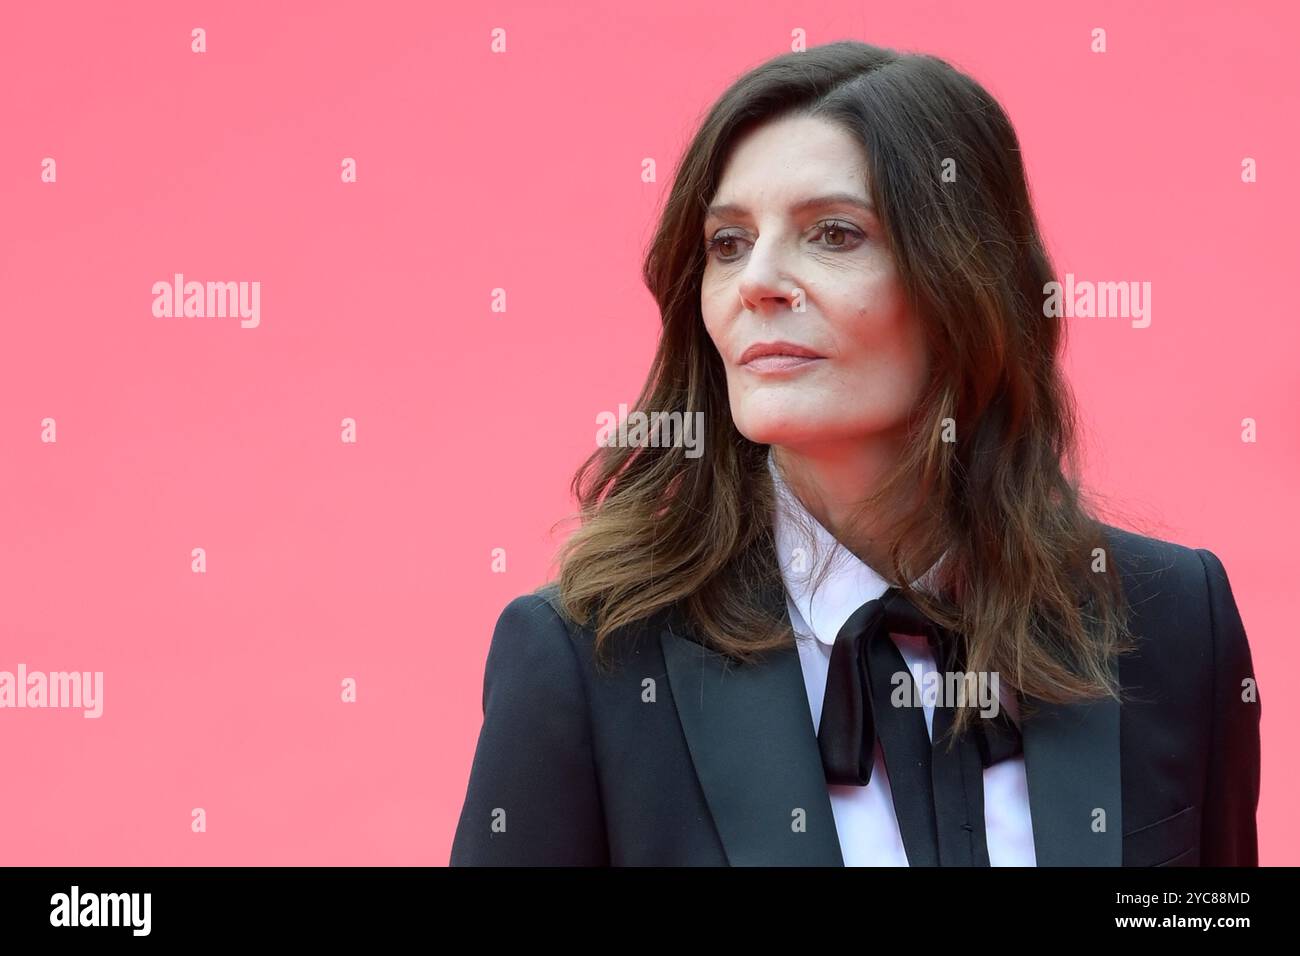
<point>770,364</point>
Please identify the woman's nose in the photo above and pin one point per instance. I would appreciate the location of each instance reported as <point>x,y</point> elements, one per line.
<point>765,280</point>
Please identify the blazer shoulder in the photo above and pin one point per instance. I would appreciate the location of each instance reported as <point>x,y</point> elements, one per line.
<point>539,620</point>
<point>1180,602</point>
<point>534,765</point>
<point>1191,581</point>
<point>539,607</point>
<point>1158,573</point>
<point>622,641</point>
<point>549,594</point>
<point>1231,648</point>
<point>1145,554</point>
<point>534,636</point>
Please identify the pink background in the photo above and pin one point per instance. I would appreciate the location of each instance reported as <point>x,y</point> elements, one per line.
<point>521,171</point>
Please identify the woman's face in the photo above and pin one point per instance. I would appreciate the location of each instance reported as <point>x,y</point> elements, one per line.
<point>798,257</point>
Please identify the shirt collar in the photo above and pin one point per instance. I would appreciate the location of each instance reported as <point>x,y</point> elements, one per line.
<point>848,584</point>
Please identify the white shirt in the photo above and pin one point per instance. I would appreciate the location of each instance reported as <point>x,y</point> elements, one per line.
<point>864,816</point>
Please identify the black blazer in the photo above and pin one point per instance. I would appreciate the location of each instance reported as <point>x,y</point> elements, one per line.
<point>680,758</point>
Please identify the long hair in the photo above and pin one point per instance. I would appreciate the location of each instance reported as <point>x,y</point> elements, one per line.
<point>991,446</point>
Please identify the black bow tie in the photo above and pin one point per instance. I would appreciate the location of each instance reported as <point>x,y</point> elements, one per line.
<point>938,792</point>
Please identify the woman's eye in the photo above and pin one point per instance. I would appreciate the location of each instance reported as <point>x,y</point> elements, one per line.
<point>838,235</point>
<point>843,235</point>
<point>718,243</point>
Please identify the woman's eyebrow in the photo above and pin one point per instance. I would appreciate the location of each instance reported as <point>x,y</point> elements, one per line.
<point>728,209</point>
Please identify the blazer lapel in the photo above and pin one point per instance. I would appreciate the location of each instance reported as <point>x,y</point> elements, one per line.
<point>751,738</point>
<point>750,734</point>
<point>1072,767</point>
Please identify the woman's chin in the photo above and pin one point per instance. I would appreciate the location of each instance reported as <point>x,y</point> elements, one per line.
<point>784,431</point>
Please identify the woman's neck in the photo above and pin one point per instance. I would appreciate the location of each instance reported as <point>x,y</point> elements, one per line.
<point>832,485</point>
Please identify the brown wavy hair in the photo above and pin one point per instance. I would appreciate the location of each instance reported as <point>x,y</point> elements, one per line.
<point>1002,502</point>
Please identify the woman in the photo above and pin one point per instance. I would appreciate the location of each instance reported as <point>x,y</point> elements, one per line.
<point>750,655</point>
